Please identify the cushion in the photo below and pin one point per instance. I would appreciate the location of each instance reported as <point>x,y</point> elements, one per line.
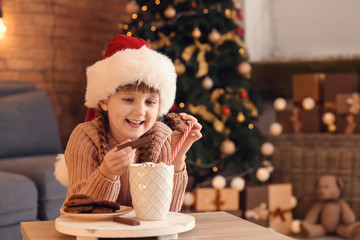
<point>11,232</point>
<point>28,125</point>
<point>10,87</point>
<point>18,201</point>
<point>40,169</point>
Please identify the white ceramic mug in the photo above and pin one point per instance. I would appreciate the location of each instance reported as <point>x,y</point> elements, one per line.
<point>151,188</point>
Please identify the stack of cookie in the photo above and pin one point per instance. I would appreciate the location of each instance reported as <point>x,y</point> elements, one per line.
<point>81,203</point>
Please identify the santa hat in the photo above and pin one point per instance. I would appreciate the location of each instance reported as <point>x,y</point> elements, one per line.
<point>129,60</point>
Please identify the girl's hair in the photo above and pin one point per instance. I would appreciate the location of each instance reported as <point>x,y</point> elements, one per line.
<point>103,121</point>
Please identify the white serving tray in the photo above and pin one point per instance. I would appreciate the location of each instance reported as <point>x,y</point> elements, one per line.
<point>92,230</point>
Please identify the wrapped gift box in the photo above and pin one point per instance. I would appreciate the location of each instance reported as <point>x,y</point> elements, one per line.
<point>348,124</point>
<point>284,119</point>
<point>348,103</point>
<point>229,199</point>
<point>254,204</point>
<point>300,120</point>
<point>336,84</point>
<point>205,199</point>
<point>280,209</point>
<point>307,85</point>
<point>211,199</point>
<point>310,120</point>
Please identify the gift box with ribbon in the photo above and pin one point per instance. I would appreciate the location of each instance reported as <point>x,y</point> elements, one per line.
<point>348,124</point>
<point>338,84</point>
<point>307,85</point>
<point>211,199</point>
<point>299,120</point>
<point>269,206</point>
<point>255,206</point>
<point>280,208</point>
<point>348,113</point>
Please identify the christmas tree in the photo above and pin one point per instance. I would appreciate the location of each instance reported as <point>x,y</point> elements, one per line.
<point>204,39</point>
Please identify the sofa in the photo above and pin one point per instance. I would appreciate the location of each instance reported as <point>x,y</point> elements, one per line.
<point>29,144</point>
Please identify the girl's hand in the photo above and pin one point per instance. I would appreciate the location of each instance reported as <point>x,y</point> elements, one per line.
<point>193,136</point>
<point>116,162</point>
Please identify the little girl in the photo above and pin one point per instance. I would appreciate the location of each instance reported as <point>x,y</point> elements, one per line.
<point>127,92</point>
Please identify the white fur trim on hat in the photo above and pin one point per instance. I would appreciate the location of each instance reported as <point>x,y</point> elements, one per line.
<point>130,66</point>
<point>61,172</point>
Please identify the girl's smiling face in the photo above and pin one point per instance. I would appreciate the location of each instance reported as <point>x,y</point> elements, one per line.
<point>131,113</point>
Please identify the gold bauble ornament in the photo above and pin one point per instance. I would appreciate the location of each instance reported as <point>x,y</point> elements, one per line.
<point>179,67</point>
<point>240,117</point>
<point>214,36</point>
<point>207,83</point>
<point>227,147</point>
<point>196,33</point>
<point>170,12</point>
<point>132,7</point>
<point>244,68</point>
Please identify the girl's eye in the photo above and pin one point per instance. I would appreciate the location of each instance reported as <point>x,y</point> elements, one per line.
<point>128,99</point>
<point>150,102</point>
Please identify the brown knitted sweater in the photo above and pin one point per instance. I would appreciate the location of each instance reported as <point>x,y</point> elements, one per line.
<point>82,160</point>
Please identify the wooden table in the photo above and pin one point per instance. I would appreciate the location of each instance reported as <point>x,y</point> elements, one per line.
<point>209,225</point>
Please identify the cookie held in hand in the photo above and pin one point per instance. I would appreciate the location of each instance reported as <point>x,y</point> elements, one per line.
<point>176,122</point>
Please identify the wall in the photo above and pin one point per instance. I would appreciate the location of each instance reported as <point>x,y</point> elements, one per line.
<point>281,30</point>
<point>51,42</point>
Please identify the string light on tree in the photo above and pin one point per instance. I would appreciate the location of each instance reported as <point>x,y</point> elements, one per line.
<point>308,103</point>
<point>280,104</point>
<point>242,51</point>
